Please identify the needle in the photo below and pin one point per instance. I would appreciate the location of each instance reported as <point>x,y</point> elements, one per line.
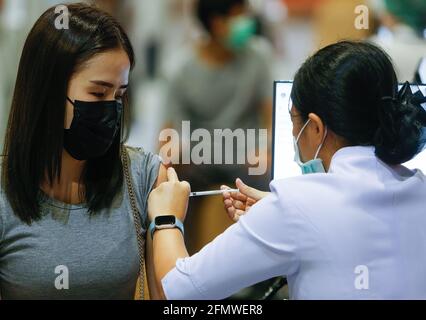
<point>211,193</point>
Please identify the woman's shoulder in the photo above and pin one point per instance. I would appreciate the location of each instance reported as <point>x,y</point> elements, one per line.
<point>1,174</point>
<point>142,159</point>
<point>3,197</point>
<point>145,167</point>
<point>3,202</point>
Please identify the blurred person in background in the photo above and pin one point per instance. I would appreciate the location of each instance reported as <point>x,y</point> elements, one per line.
<point>402,33</point>
<point>224,83</point>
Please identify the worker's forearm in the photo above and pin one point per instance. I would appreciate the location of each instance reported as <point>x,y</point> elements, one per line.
<point>169,246</point>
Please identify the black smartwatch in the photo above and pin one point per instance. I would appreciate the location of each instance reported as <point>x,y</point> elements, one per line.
<point>165,222</point>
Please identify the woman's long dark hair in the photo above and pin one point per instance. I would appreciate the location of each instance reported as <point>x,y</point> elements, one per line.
<point>353,88</point>
<point>34,139</point>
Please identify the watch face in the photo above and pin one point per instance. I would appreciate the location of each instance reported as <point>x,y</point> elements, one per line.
<point>162,220</point>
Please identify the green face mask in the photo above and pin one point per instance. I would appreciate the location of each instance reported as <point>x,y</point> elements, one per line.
<point>410,12</point>
<point>242,29</point>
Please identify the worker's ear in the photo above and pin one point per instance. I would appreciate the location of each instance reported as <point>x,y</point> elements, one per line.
<point>316,130</point>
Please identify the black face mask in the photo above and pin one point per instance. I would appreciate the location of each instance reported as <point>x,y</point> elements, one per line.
<point>93,129</point>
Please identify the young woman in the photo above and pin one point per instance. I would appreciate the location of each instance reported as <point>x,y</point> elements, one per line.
<point>66,224</point>
<point>354,229</point>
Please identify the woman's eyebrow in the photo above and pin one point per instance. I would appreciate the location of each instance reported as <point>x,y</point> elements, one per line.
<point>107,84</point>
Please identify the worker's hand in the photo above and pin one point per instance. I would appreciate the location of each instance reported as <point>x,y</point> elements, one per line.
<point>238,203</point>
<point>169,198</point>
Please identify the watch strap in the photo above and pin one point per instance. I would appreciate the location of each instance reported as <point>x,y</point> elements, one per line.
<point>178,224</point>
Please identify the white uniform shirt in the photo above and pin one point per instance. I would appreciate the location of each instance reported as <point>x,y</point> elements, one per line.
<point>357,232</point>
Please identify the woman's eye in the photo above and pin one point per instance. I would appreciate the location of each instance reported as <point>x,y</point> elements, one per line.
<point>98,95</point>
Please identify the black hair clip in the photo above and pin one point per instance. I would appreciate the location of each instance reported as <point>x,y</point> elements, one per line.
<point>406,96</point>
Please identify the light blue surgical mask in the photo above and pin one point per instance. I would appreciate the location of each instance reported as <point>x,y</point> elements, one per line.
<point>312,166</point>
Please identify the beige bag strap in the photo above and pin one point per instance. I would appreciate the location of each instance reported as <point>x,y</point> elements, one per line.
<point>136,219</point>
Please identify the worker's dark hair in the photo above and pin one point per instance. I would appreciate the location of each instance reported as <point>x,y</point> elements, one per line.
<point>353,88</point>
<point>208,9</point>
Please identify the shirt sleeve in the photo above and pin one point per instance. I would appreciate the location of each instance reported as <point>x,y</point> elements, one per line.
<point>145,167</point>
<point>2,227</point>
<point>150,167</point>
<point>262,245</point>
<point>2,208</point>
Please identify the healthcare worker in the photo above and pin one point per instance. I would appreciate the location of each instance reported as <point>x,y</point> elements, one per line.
<point>354,228</point>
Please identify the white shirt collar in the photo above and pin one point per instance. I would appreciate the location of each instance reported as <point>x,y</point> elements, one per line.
<point>349,152</point>
<point>353,158</point>
<point>357,157</point>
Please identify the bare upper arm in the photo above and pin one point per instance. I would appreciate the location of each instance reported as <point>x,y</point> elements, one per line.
<point>155,293</point>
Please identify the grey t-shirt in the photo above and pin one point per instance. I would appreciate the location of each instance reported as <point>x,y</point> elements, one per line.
<point>96,256</point>
<point>222,97</point>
